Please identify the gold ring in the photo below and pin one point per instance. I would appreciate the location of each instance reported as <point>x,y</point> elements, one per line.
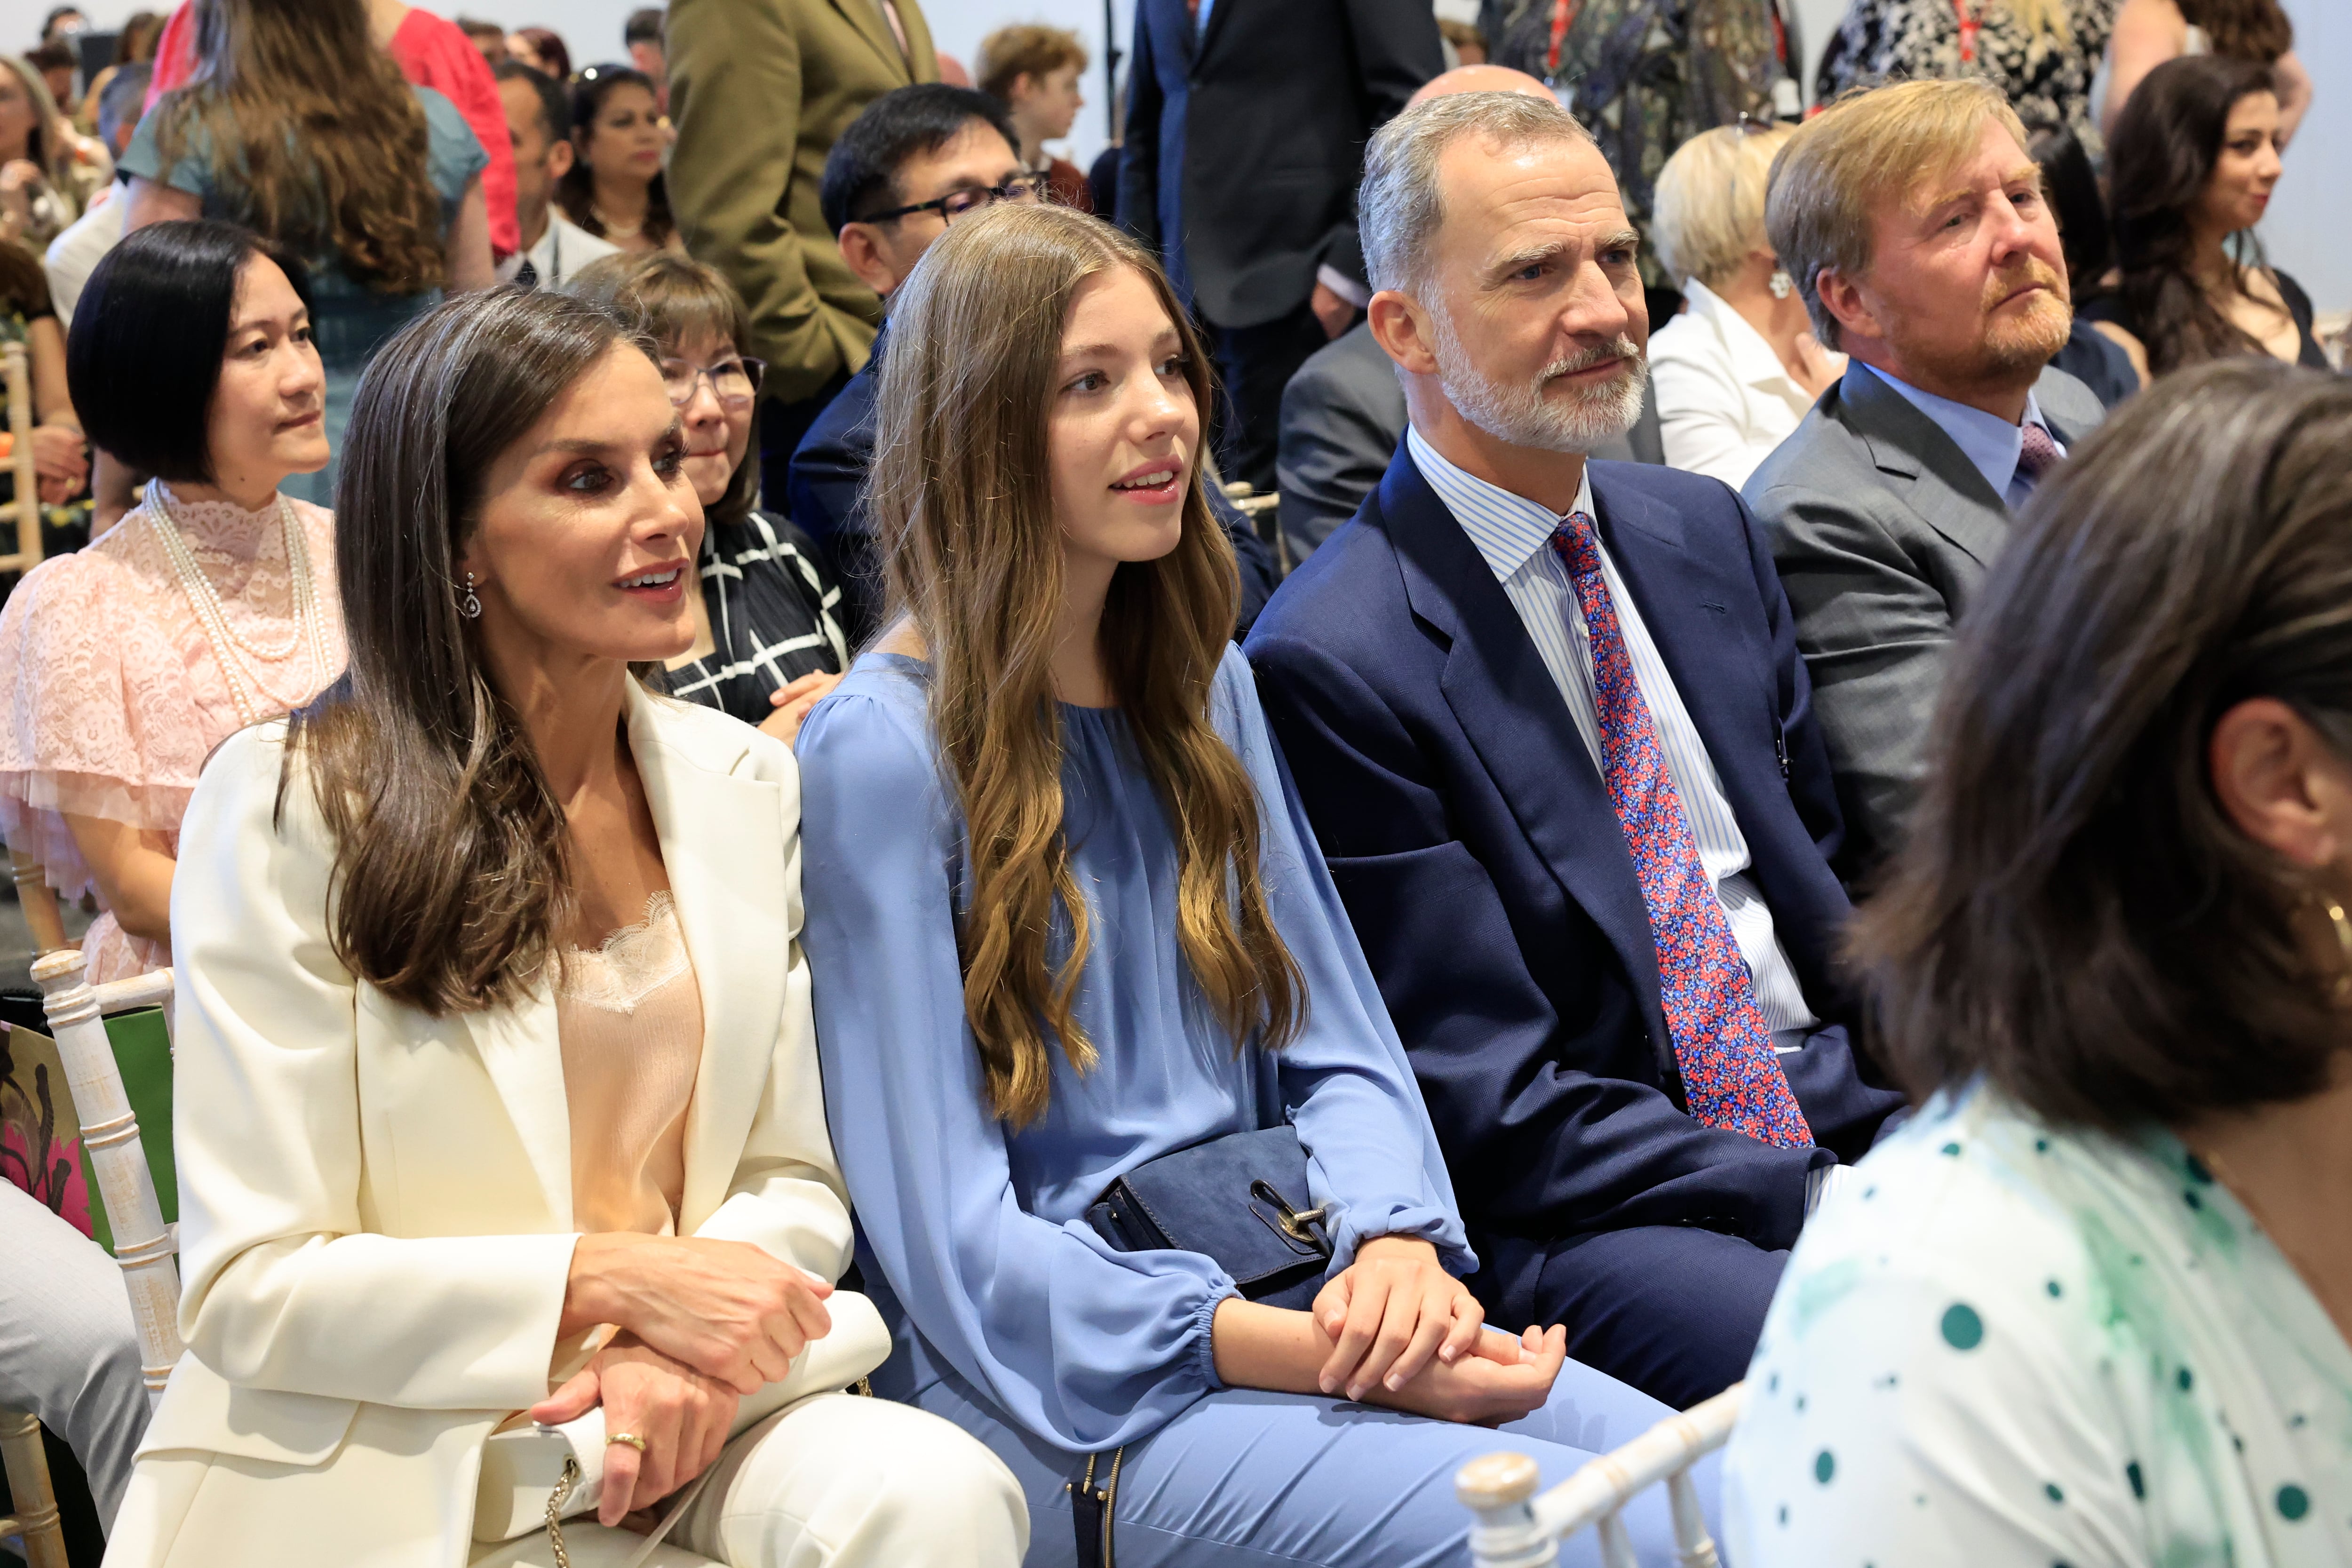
<point>631,1439</point>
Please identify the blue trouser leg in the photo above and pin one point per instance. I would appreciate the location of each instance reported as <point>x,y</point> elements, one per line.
<point>1249,1478</point>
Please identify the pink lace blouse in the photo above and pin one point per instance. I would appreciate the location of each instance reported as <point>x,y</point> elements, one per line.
<point>114,695</point>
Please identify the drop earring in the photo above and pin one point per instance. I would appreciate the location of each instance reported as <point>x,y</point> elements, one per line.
<point>2344,939</point>
<point>1779,283</point>
<point>471,607</point>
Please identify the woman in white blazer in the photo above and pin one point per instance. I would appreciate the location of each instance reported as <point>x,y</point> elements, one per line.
<point>1738,370</point>
<point>497,1093</point>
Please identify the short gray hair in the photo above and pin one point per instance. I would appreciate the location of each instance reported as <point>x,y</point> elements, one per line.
<point>1400,205</point>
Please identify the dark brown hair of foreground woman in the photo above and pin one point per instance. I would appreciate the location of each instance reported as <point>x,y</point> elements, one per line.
<point>962,503</point>
<point>453,864</point>
<point>2075,916</point>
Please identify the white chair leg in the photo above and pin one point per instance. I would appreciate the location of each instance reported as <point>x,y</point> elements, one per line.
<point>1616,1545</point>
<point>1497,1488</point>
<point>1694,1547</point>
<point>110,1135</point>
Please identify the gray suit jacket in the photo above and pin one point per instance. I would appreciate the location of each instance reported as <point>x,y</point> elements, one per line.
<point>1342,416</point>
<point>1882,533</point>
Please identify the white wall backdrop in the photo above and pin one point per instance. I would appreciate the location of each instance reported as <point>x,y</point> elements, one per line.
<point>2309,232</point>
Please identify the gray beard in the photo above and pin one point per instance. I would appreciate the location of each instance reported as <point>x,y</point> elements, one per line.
<point>1523,415</point>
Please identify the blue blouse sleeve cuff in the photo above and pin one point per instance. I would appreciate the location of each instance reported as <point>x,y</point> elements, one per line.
<point>1204,1339</point>
<point>1422,1222</point>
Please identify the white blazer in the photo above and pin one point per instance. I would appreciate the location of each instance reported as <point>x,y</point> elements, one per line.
<point>1724,400</point>
<point>375,1206</point>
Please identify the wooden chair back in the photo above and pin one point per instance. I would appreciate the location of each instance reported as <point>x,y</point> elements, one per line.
<point>40,902</point>
<point>1517,1529</point>
<point>76,1011</point>
<point>22,508</point>
<point>34,1522</point>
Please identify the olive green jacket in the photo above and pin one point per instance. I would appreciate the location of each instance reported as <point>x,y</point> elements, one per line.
<point>760,89</point>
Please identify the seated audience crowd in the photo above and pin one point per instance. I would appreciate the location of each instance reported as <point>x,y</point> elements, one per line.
<point>798,938</point>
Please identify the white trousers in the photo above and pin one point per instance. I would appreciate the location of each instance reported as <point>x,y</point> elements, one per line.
<point>836,1481</point>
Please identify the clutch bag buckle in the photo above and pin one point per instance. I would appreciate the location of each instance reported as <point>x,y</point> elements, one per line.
<point>1296,1224</point>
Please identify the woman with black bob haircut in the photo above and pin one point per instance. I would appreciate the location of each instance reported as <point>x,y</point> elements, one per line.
<point>2092,1304</point>
<point>211,605</point>
<point>497,1094</point>
<point>2190,167</point>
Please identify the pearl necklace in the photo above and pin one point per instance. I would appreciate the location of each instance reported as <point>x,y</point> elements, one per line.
<point>309,627</point>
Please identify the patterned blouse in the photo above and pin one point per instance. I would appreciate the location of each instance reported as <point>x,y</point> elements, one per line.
<point>2046,76</point>
<point>2004,1343</point>
<point>1645,76</point>
<point>772,617</point>
<point>112,693</point>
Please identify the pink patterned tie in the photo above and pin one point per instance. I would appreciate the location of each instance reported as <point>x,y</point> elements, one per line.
<point>2037,453</point>
<point>1731,1076</point>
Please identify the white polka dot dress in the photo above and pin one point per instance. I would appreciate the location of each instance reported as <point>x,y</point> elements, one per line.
<point>2006,1345</point>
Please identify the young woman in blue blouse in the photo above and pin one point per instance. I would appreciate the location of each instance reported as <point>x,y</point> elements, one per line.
<point>1065,917</point>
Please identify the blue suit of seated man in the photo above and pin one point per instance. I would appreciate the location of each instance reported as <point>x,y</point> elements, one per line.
<point>1435,685</point>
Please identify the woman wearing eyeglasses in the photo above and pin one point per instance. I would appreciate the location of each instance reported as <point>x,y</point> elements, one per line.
<point>767,643</point>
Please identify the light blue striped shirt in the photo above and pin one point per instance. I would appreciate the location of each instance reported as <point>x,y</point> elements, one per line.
<point>1514,534</point>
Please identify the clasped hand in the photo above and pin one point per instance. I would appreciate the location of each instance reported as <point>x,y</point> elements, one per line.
<point>1406,1333</point>
<point>703,1324</point>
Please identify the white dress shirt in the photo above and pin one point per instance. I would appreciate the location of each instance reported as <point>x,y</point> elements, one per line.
<point>1724,400</point>
<point>1514,534</point>
<point>562,251</point>
<point>74,254</point>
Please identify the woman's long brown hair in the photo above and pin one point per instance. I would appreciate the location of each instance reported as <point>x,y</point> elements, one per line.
<point>962,498</point>
<point>451,856</point>
<point>319,133</point>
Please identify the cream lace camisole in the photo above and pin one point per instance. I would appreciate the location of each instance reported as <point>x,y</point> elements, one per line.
<point>629,1021</point>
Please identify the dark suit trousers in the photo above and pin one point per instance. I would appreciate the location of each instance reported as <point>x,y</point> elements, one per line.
<point>1672,1309</point>
<point>1677,1310</point>
<point>1256,364</point>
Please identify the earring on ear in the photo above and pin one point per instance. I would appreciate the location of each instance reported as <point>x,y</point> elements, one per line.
<point>1781,283</point>
<point>471,607</point>
<point>2343,923</point>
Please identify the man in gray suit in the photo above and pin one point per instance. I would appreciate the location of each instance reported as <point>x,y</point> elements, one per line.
<point>1342,416</point>
<point>1913,218</point>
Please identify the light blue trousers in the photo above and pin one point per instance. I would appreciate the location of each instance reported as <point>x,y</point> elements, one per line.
<point>1256,1478</point>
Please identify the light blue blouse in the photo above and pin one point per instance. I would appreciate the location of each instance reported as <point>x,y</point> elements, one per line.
<point>979,1232</point>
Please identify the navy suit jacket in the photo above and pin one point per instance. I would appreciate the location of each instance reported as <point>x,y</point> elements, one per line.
<point>1482,863</point>
<point>823,494</point>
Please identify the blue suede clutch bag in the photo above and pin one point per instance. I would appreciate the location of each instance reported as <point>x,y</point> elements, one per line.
<point>1242,1199</point>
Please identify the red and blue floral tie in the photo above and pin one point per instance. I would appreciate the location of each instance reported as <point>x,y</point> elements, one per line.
<point>1731,1076</point>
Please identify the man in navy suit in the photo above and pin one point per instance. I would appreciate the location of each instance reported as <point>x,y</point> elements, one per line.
<point>1551,724</point>
<point>1245,130</point>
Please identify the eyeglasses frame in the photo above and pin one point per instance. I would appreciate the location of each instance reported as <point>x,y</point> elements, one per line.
<point>1033,182</point>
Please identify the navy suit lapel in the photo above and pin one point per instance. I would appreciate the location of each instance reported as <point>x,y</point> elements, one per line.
<point>1502,695</point>
<point>1686,602</point>
<point>1172,24</point>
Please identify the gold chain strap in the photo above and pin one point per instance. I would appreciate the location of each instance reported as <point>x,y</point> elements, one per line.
<point>555,1511</point>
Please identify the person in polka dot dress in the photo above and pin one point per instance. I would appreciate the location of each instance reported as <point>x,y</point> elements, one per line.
<point>2090,1307</point>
